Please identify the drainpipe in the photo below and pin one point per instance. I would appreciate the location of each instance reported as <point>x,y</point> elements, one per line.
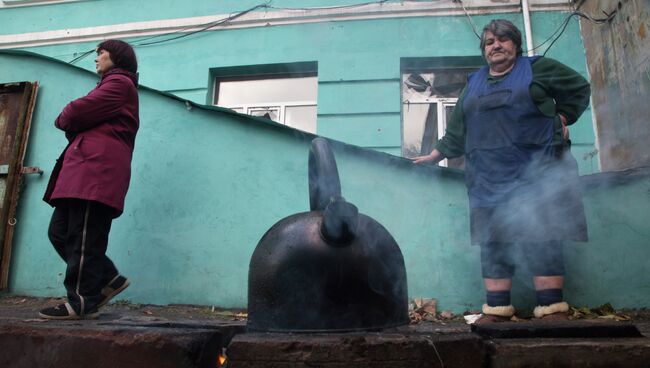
<point>527,29</point>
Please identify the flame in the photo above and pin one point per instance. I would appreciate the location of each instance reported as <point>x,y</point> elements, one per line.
<point>221,360</point>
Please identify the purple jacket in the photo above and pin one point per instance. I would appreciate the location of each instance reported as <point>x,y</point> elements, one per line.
<point>101,129</point>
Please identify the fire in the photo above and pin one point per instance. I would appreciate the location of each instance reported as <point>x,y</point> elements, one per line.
<point>221,360</point>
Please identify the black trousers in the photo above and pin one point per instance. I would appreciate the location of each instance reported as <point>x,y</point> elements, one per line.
<point>79,232</point>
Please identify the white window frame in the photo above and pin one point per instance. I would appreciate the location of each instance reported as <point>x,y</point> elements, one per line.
<point>262,73</point>
<point>441,104</point>
<point>281,106</point>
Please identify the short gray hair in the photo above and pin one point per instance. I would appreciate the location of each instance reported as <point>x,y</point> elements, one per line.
<point>502,28</point>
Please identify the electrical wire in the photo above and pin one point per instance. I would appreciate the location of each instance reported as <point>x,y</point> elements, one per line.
<point>181,33</point>
<point>553,36</point>
<point>266,5</point>
<point>203,28</point>
<point>565,23</point>
<point>471,23</point>
<point>334,7</point>
<point>80,57</point>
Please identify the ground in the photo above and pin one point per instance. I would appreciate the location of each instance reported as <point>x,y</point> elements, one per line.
<point>25,309</point>
<point>177,336</point>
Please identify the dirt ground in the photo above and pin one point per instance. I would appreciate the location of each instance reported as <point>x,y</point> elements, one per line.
<point>24,308</point>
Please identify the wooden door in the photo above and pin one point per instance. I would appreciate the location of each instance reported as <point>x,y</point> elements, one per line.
<point>16,108</point>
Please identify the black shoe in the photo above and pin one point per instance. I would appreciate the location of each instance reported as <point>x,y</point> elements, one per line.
<point>116,286</point>
<point>65,311</point>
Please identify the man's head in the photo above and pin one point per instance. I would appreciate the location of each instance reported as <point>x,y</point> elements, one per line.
<point>500,42</point>
<point>121,56</point>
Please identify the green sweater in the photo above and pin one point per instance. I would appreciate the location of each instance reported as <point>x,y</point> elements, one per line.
<point>555,88</point>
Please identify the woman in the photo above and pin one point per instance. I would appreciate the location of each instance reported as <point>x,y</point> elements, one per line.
<point>90,180</point>
<point>511,124</point>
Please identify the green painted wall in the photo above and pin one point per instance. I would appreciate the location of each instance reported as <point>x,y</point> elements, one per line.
<point>358,61</point>
<point>207,184</point>
<point>89,13</point>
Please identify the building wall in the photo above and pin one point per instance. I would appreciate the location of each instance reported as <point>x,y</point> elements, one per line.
<point>619,54</point>
<point>207,184</point>
<point>358,53</point>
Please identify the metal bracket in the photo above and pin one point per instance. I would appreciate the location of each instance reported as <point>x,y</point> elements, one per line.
<point>32,170</point>
<point>4,170</point>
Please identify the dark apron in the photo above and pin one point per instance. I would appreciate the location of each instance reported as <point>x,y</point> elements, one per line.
<point>520,186</point>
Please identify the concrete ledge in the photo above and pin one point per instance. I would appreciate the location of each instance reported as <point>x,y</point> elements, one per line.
<point>558,353</point>
<point>364,350</point>
<point>145,336</point>
<point>82,345</point>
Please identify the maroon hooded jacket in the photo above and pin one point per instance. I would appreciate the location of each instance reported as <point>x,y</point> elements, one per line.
<point>101,129</point>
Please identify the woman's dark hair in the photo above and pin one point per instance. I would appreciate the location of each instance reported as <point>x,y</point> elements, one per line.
<point>502,28</point>
<point>122,54</point>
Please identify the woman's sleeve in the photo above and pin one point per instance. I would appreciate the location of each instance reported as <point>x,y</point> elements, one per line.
<point>452,144</point>
<point>100,105</point>
<point>567,87</point>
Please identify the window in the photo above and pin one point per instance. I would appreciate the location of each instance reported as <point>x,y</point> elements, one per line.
<point>429,94</point>
<point>284,93</point>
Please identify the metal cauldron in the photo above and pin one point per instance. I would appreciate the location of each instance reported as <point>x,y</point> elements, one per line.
<point>330,269</point>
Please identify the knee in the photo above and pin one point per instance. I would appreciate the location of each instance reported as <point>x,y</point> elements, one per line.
<point>57,239</point>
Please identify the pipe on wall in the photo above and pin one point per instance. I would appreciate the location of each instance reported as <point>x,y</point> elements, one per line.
<point>529,33</point>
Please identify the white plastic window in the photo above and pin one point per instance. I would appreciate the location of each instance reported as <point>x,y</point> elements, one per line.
<point>428,99</point>
<point>287,100</point>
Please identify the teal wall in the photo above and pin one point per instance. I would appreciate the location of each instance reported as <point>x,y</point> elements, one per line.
<point>90,13</point>
<point>207,184</point>
<point>359,98</point>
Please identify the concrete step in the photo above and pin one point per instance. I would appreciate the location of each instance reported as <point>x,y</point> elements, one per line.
<point>362,350</point>
<point>559,353</point>
<point>143,336</point>
<point>594,343</point>
<point>110,345</point>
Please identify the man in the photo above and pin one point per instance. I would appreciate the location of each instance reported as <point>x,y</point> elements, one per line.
<point>511,122</point>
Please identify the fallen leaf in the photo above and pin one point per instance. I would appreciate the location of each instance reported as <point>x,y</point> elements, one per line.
<point>417,303</point>
<point>429,317</point>
<point>446,315</point>
<point>430,306</point>
<point>608,316</point>
<point>604,309</point>
<point>40,320</point>
<point>516,319</point>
